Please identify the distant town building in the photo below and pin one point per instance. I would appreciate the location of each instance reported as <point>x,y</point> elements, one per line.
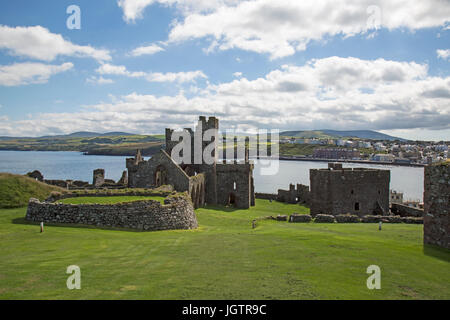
<point>336,153</point>
<point>383,157</point>
<point>379,146</point>
<point>395,197</point>
<point>402,161</point>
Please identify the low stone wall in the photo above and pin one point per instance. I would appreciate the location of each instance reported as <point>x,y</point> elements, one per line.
<point>405,211</point>
<point>300,218</point>
<point>266,196</point>
<point>392,219</point>
<point>343,218</point>
<point>324,218</point>
<point>139,193</point>
<point>150,215</point>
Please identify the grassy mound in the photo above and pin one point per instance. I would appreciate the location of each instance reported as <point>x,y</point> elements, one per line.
<point>16,190</point>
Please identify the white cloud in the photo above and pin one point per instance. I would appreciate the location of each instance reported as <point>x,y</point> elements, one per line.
<point>39,43</point>
<point>237,74</point>
<point>335,93</point>
<point>280,28</point>
<point>443,54</point>
<point>133,9</point>
<point>29,73</point>
<point>180,77</point>
<point>118,70</point>
<point>146,50</point>
<point>99,80</point>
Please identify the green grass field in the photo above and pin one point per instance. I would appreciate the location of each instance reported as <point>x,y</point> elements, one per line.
<point>224,259</point>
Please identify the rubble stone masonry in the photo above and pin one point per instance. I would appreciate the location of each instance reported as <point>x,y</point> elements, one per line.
<point>176,213</point>
<point>437,205</point>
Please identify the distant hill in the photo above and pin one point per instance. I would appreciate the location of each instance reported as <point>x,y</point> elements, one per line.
<point>80,134</point>
<point>362,134</point>
<point>87,134</point>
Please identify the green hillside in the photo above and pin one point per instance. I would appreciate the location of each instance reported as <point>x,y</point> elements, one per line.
<point>16,190</point>
<point>333,134</point>
<point>121,145</point>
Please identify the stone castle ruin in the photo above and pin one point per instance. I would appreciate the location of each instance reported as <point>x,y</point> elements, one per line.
<point>296,194</point>
<point>357,191</point>
<point>217,183</point>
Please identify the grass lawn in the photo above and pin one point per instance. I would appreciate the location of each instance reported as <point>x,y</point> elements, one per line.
<point>224,259</point>
<point>109,200</point>
<point>16,190</point>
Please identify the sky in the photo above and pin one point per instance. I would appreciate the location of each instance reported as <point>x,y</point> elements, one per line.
<point>140,66</point>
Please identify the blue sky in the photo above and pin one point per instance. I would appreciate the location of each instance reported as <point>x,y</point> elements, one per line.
<point>254,64</point>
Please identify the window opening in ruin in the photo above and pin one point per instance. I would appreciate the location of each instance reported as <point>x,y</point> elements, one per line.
<point>234,186</point>
<point>160,176</point>
<point>357,206</point>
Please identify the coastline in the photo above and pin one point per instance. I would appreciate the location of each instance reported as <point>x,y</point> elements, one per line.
<point>291,158</point>
<point>284,158</point>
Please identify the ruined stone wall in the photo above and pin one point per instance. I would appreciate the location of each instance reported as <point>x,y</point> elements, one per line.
<point>295,194</point>
<point>266,196</point>
<point>238,175</point>
<point>356,191</point>
<point>197,190</point>
<point>405,211</point>
<point>98,178</point>
<point>176,213</point>
<point>143,174</point>
<point>437,205</point>
<point>56,196</point>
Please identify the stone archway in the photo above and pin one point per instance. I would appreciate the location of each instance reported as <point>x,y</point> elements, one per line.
<point>232,200</point>
<point>160,176</point>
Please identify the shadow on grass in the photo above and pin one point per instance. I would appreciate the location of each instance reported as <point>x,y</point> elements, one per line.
<point>78,226</point>
<point>437,252</point>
